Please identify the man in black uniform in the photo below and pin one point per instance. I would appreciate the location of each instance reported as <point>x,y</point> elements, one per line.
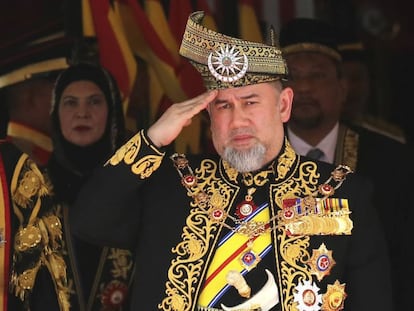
<point>316,77</point>
<point>256,227</point>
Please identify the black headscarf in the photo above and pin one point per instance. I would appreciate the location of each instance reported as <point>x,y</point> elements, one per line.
<point>71,164</point>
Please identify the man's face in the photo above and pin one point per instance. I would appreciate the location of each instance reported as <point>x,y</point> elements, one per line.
<point>247,117</point>
<point>319,92</point>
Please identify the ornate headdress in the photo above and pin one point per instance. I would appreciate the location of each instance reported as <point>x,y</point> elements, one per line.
<point>224,61</point>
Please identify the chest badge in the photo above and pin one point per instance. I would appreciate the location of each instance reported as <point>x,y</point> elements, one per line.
<point>321,262</point>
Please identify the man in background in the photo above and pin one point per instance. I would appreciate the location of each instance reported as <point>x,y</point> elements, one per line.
<point>28,70</point>
<point>315,128</point>
<point>28,104</point>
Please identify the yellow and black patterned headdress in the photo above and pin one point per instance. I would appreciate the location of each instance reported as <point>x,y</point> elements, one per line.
<point>226,62</point>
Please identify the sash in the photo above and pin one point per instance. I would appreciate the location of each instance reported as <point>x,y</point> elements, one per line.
<point>235,253</point>
<point>4,237</point>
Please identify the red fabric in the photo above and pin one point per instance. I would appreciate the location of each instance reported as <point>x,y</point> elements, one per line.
<point>110,53</point>
<point>7,231</point>
<point>178,15</point>
<point>149,46</point>
<point>41,155</point>
<point>148,32</point>
<point>190,79</point>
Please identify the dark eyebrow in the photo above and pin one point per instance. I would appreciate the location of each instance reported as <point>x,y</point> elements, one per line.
<point>219,101</point>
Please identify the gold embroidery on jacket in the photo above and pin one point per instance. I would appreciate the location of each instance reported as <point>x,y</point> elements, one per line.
<point>127,153</point>
<point>146,166</point>
<point>54,228</point>
<point>189,266</point>
<point>285,161</point>
<point>31,184</point>
<point>39,236</point>
<point>231,172</point>
<point>122,262</point>
<point>293,250</point>
<point>347,147</point>
<point>288,178</point>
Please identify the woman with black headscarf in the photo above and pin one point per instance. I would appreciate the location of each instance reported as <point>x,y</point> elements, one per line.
<point>87,127</point>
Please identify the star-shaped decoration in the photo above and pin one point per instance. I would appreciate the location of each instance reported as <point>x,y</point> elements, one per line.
<point>334,298</point>
<point>321,262</point>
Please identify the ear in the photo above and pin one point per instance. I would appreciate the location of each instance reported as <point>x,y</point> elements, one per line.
<point>285,104</point>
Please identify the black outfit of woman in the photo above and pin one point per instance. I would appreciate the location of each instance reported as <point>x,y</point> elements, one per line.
<point>98,278</point>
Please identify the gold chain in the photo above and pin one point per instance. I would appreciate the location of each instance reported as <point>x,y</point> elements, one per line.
<point>252,229</point>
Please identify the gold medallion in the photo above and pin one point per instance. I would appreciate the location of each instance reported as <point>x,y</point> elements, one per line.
<point>334,298</point>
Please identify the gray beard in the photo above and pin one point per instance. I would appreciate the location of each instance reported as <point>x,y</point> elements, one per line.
<point>245,160</point>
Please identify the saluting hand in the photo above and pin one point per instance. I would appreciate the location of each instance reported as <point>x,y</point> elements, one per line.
<point>176,117</point>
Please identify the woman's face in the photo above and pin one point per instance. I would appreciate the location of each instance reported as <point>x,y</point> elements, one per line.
<point>83,113</point>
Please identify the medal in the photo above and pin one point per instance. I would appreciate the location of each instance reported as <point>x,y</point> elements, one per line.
<point>334,298</point>
<point>249,260</point>
<point>326,190</point>
<point>307,296</point>
<point>321,262</point>
<point>246,207</point>
<point>114,294</point>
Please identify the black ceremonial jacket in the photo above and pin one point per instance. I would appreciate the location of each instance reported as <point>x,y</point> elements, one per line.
<point>96,278</point>
<point>326,251</point>
<point>387,163</point>
<point>29,231</point>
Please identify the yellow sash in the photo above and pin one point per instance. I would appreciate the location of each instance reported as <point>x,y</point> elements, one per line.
<point>228,257</point>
